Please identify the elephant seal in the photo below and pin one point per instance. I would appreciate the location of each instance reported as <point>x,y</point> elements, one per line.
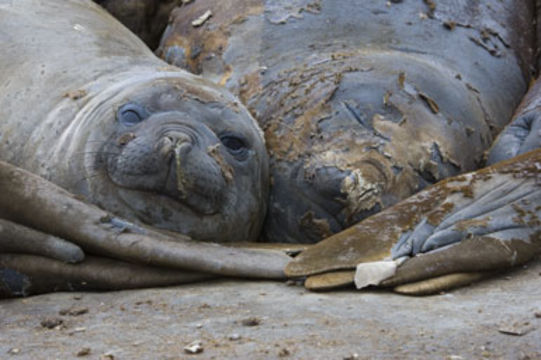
<point>364,105</point>
<point>361,105</point>
<point>458,231</point>
<point>86,105</point>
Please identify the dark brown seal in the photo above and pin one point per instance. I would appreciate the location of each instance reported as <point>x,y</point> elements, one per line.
<point>362,105</point>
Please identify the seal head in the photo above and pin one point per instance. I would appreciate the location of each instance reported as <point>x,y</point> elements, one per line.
<point>170,151</point>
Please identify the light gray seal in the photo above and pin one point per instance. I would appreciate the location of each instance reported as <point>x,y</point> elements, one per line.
<point>86,105</point>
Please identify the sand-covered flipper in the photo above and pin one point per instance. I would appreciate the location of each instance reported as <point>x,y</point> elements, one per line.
<point>483,221</point>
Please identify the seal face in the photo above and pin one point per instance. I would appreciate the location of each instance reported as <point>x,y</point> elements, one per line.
<point>193,155</point>
<point>113,123</point>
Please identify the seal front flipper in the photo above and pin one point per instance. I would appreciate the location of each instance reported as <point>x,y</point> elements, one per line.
<point>15,238</point>
<point>24,275</point>
<point>523,134</point>
<point>21,239</point>
<point>96,231</point>
<point>500,204</point>
<point>496,205</point>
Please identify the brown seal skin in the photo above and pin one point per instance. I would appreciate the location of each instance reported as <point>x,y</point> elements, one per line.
<point>458,231</point>
<point>146,19</point>
<point>362,105</point>
<point>478,222</point>
<point>87,106</point>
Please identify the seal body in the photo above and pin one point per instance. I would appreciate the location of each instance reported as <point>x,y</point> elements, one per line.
<point>456,232</point>
<point>86,105</point>
<point>362,104</point>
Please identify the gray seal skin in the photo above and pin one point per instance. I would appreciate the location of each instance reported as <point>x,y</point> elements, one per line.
<point>362,105</point>
<point>86,105</point>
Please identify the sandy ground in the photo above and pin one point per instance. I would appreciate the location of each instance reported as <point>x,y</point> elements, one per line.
<point>496,319</point>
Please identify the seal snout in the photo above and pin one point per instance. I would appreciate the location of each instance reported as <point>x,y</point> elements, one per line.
<point>174,143</point>
<point>327,198</point>
<point>193,177</point>
<point>173,147</point>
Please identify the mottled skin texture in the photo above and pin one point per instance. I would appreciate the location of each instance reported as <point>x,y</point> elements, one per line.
<point>333,76</point>
<point>361,106</point>
<point>472,225</point>
<point>458,231</point>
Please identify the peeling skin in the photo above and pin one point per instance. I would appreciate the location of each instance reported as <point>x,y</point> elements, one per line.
<point>367,90</point>
<point>205,42</point>
<point>227,171</point>
<point>373,238</point>
<point>280,11</point>
<point>432,115</point>
<point>361,194</point>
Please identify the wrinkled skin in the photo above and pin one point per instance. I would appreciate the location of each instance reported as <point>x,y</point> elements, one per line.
<point>62,215</point>
<point>458,231</point>
<point>363,106</point>
<point>432,104</point>
<point>143,140</point>
<point>113,124</point>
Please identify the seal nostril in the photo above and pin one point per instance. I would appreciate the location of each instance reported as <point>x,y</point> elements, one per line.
<point>125,138</point>
<point>177,137</point>
<point>327,181</point>
<point>174,143</point>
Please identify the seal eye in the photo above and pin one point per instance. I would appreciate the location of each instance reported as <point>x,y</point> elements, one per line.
<point>235,145</point>
<point>131,114</point>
